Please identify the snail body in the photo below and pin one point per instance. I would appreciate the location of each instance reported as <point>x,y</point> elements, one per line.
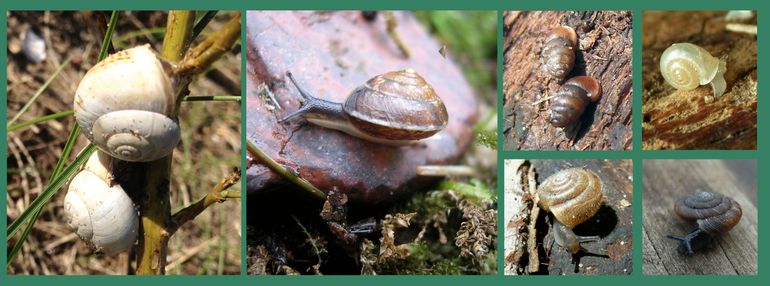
<point>714,213</point>
<point>572,196</point>
<point>558,55</point>
<point>98,210</point>
<point>572,98</point>
<point>395,108</point>
<point>686,66</point>
<point>125,106</point>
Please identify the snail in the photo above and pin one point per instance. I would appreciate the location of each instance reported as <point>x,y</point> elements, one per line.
<point>714,213</point>
<point>571,99</point>
<point>395,108</point>
<point>686,66</point>
<point>98,209</point>
<point>572,196</point>
<point>124,105</point>
<point>558,56</point>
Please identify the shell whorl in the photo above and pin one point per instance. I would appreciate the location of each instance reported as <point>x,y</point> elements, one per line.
<point>686,66</point>
<point>714,213</point>
<point>571,195</point>
<point>100,212</point>
<point>558,56</point>
<point>117,95</point>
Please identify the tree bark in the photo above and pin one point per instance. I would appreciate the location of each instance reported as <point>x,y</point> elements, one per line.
<point>604,52</point>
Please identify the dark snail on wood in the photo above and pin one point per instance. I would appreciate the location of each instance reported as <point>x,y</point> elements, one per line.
<point>395,108</point>
<point>714,213</point>
<point>558,56</point>
<point>572,196</point>
<point>571,99</point>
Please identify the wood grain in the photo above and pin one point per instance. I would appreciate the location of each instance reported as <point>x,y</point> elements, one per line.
<point>664,182</point>
<point>604,52</point>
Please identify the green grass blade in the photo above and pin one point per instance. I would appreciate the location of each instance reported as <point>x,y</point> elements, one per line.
<point>39,92</point>
<point>57,115</point>
<point>202,23</point>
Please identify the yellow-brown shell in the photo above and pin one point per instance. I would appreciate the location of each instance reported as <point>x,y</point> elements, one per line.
<point>571,195</point>
<point>397,105</point>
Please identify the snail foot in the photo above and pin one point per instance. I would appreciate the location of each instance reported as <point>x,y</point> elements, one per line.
<point>692,242</point>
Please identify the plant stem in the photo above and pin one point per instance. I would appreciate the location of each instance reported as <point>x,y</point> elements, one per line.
<point>154,177</point>
<point>280,170</point>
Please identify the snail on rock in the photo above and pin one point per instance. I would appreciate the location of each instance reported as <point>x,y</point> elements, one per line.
<point>686,66</point>
<point>571,100</point>
<point>395,108</point>
<point>558,56</point>
<point>98,209</point>
<point>572,196</point>
<point>714,213</point>
<point>126,106</point>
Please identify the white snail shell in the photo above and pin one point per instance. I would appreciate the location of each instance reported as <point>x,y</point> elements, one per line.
<point>100,214</point>
<point>686,66</point>
<point>123,105</point>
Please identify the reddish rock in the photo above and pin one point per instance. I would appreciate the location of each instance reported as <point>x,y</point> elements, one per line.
<point>331,53</point>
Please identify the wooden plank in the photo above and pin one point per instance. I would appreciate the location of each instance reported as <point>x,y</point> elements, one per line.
<point>664,182</point>
<point>604,52</point>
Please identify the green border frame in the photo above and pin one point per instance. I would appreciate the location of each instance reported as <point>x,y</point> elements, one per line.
<point>636,155</point>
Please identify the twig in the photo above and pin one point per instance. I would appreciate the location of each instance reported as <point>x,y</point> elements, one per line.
<point>212,98</point>
<point>391,23</point>
<point>205,53</point>
<point>280,170</point>
<point>534,259</point>
<point>215,195</point>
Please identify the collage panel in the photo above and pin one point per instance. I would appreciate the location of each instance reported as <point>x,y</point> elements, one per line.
<point>568,217</point>
<point>699,217</point>
<point>567,80</point>
<point>150,184</point>
<point>371,142</point>
<point>699,75</point>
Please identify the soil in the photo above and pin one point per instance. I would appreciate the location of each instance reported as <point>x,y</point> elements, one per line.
<point>210,147</point>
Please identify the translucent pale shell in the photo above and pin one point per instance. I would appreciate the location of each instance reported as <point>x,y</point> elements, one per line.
<point>102,215</point>
<point>123,105</point>
<point>686,66</point>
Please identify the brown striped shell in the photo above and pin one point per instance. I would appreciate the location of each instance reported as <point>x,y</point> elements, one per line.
<point>714,213</point>
<point>398,105</point>
<point>571,195</point>
<point>558,56</point>
<point>572,98</point>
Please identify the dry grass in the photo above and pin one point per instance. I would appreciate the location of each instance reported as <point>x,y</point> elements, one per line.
<point>210,147</point>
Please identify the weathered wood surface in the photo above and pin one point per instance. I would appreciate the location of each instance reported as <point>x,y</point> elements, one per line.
<point>664,182</point>
<point>683,119</point>
<point>604,52</point>
<point>613,222</point>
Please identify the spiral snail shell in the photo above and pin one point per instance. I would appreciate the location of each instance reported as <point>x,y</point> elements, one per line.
<point>558,56</point>
<point>572,98</point>
<point>98,210</point>
<point>686,66</point>
<point>394,108</point>
<point>572,196</point>
<point>124,105</point>
<point>714,213</point>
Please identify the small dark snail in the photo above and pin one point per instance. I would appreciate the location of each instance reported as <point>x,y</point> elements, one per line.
<point>571,99</point>
<point>573,196</point>
<point>714,213</point>
<point>558,56</point>
<point>395,108</point>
